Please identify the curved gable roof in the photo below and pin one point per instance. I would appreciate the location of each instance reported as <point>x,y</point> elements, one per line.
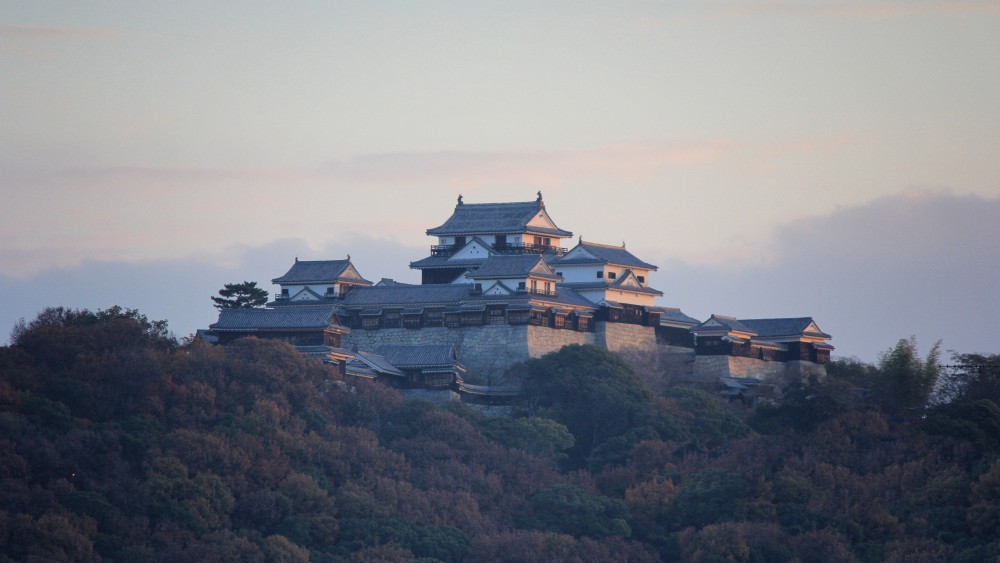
<point>430,355</point>
<point>604,254</point>
<point>792,326</point>
<point>518,266</point>
<point>320,271</point>
<point>498,218</point>
<point>315,317</point>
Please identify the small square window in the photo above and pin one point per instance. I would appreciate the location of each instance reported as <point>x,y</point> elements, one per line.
<point>612,275</point>
<point>600,274</point>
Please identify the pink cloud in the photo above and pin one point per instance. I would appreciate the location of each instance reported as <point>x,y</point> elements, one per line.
<point>871,9</point>
<point>537,168</point>
<point>50,32</point>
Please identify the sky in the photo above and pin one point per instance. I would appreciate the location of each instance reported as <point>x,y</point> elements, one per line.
<point>830,159</point>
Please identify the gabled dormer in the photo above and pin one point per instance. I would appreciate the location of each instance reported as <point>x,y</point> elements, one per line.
<point>510,228</point>
<point>475,249</point>
<point>603,272</point>
<point>524,273</point>
<point>317,281</point>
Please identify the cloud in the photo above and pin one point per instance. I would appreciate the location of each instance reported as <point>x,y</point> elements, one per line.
<point>30,32</point>
<point>869,9</point>
<point>633,162</point>
<point>179,290</point>
<point>921,263</point>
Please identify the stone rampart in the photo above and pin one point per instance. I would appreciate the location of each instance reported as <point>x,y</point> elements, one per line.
<point>620,337</point>
<point>488,350</point>
<point>710,368</point>
<point>483,350</point>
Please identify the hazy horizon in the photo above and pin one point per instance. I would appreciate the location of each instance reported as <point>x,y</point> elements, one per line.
<point>826,159</point>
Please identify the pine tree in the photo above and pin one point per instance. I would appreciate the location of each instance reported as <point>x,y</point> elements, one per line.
<point>241,295</point>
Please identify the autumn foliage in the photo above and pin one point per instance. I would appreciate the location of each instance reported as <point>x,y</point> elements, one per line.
<point>118,443</point>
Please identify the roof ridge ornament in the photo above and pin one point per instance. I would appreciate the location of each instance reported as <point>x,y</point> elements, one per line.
<point>460,202</point>
<point>539,200</point>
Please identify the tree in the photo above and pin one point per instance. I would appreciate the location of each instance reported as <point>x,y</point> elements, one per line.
<point>596,395</point>
<point>244,295</point>
<point>906,380</point>
<point>971,377</point>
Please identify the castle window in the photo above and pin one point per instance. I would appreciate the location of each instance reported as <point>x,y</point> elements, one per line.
<point>600,274</point>
<point>500,241</point>
<point>391,318</point>
<point>329,291</point>
<point>459,241</point>
<point>642,279</point>
<point>434,317</point>
<point>612,275</point>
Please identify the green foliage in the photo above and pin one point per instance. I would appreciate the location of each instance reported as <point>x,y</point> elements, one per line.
<point>571,510</point>
<point>536,435</point>
<point>240,295</point>
<point>971,377</point>
<point>695,415</point>
<point>713,495</point>
<point>596,395</point>
<point>116,444</point>
<point>801,408</point>
<point>905,381</point>
<point>975,421</point>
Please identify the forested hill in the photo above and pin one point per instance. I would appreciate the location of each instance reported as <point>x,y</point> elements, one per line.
<point>117,443</point>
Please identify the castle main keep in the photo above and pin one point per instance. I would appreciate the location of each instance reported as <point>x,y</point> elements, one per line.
<point>503,283</point>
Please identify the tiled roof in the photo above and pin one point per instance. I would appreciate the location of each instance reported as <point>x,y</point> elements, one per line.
<point>319,316</point>
<point>793,326</point>
<point>598,284</point>
<point>389,281</point>
<point>419,356</point>
<point>517,266</point>
<point>566,296</point>
<point>322,350</point>
<point>675,315</point>
<point>444,262</point>
<point>490,218</point>
<point>768,344</point>
<point>408,295</point>
<point>605,254</point>
<point>378,362</point>
<point>315,271</point>
<point>445,295</point>
<point>729,323</point>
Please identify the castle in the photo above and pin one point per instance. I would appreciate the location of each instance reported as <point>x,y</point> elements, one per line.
<point>499,287</point>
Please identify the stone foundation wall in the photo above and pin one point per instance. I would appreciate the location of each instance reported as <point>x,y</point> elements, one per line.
<point>752,367</point>
<point>710,368</point>
<point>541,340</point>
<point>483,350</point>
<point>488,350</point>
<point>619,337</point>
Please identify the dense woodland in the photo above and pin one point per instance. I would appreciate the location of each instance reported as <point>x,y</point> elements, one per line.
<point>119,443</point>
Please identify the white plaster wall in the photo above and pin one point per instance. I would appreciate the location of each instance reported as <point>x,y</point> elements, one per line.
<point>293,289</point>
<point>582,273</point>
<point>632,298</point>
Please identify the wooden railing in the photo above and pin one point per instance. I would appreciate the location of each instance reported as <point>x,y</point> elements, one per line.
<point>526,248</point>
